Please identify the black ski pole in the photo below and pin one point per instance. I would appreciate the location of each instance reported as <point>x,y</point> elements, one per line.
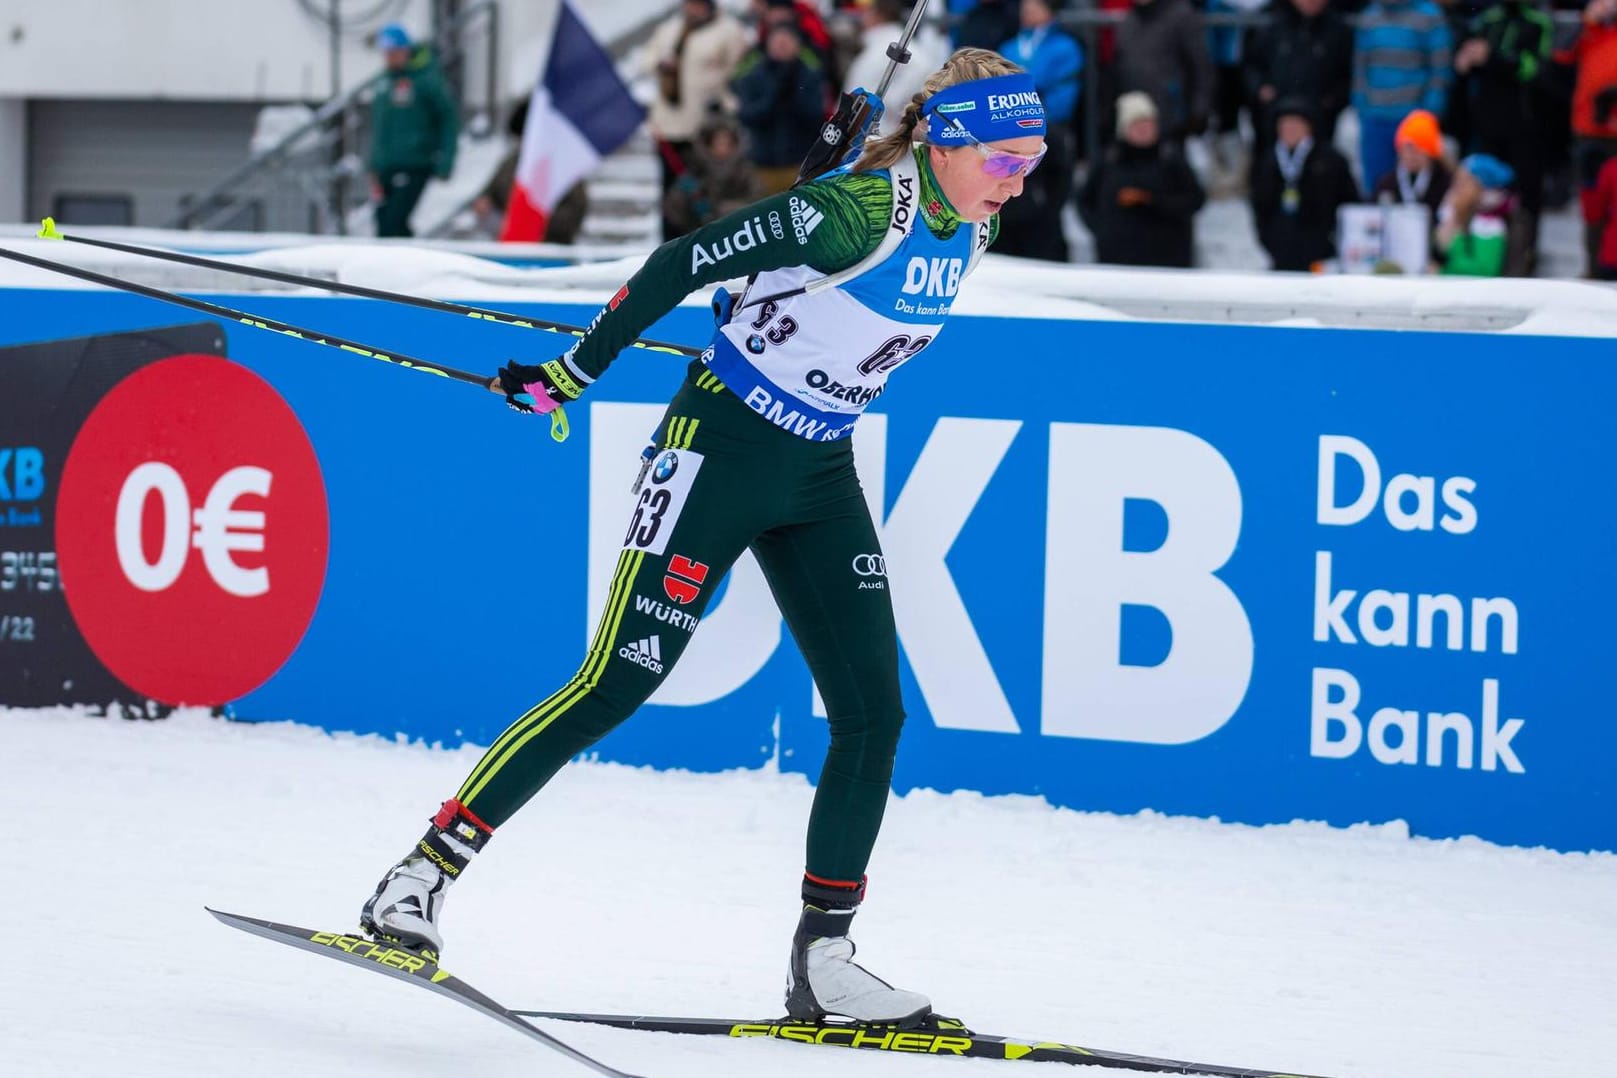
<point>48,231</point>
<point>853,110</point>
<point>558,422</point>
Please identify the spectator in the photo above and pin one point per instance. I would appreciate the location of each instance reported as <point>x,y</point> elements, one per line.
<point>1304,49</point>
<point>692,55</point>
<point>1141,198</point>
<point>489,205</point>
<point>883,23</point>
<point>781,87</point>
<point>1226,46</point>
<point>1162,51</point>
<point>1501,60</point>
<point>1030,226</point>
<point>720,180</point>
<point>810,24</point>
<point>1297,188</point>
<point>1598,209</point>
<point>1455,119</point>
<point>988,25</point>
<point>1594,113</point>
<point>414,128</point>
<point>1400,63</point>
<point>1420,176</point>
<point>1473,231</point>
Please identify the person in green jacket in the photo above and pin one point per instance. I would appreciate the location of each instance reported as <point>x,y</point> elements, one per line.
<point>414,126</point>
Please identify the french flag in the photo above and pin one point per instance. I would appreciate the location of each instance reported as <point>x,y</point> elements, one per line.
<point>580,112</point>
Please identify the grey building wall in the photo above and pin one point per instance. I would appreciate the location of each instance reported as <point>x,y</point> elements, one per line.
<point>99,160</point>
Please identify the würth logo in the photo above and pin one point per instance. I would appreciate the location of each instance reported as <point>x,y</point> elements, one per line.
<point>684,580</point>
<point>192,530</point>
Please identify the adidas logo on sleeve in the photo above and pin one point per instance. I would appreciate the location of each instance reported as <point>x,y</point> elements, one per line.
<point>805,219</point>
<point>647,653</point>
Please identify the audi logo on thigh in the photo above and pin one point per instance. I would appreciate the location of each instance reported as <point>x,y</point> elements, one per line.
<point>870,565</point>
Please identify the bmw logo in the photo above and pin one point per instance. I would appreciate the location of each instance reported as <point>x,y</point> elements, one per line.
<point>666,466</point>
<point>755,345</point>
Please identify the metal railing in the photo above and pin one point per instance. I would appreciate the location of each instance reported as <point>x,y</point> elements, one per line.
<point>308,171</point>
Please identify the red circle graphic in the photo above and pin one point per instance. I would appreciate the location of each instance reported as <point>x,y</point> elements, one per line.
<point>192,530</point>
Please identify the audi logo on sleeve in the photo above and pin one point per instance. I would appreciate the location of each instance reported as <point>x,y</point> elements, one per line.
<point>192,530</point>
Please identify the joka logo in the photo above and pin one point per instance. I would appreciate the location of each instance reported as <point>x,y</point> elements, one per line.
<point>933,276</point>
<point>647,653</point>
<point>903,203</point>
<point>805,219</point>
<point>684,580</point>
<point>192,453</point>
<point>666,466</point>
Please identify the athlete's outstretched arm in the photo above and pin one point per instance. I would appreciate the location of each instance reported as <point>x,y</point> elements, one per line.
<point>828,226</point>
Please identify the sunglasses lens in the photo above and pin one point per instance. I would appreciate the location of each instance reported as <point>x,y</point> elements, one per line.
<point>1006,165</point>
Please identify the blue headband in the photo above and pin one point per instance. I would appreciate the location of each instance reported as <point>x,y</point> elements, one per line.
<point>989,110</point>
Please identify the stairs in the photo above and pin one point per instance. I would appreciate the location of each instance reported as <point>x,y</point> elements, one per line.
<point>626,197</point>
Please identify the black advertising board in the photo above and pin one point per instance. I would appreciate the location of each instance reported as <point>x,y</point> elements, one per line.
<point>47,390</point>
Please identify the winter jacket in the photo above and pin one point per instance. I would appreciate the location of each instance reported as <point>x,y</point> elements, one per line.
<point>1055,59</point>
<point>1307,58</point>
<point>988,24</point>
<point>413,119</point>
<point>1595,54</point>
<point>1388,191</point>
<point>1402,60</point>
<point>1600,208</point>
<point>707,57</point>
<point>1159,232</point>
<point>1296,240</point>
<point>709,190</point>
<point>1162,50</point>
<point>782,106</point>
<point>1503,89</point>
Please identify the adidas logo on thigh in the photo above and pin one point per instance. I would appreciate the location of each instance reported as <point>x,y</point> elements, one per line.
<point>647,653</point>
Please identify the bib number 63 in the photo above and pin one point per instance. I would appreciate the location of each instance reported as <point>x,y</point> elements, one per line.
<point>662,499</point>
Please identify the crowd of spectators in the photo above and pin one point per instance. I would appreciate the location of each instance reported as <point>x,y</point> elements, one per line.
<point>1481,111</point>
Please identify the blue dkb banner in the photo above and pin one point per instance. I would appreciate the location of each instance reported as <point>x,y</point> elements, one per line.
<point>1262,574</point>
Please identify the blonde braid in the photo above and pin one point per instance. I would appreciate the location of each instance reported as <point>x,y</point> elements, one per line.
<point>966,65</point>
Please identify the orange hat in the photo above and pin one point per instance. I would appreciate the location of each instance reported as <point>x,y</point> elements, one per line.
<point>1420,127</point>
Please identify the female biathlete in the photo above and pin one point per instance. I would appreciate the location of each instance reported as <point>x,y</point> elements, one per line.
<point>851,276</point>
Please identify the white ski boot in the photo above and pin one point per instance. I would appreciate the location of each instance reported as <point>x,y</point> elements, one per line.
<point>822,978</point>
<point>405,907</point>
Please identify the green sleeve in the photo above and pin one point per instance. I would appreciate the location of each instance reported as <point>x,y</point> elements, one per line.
<point>827,225</point>
<point>448,119</point>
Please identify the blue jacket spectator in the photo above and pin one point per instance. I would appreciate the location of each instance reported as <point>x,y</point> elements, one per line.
<point>1030,226</point>
<point>1052,56</point>
<point>1400,63</point>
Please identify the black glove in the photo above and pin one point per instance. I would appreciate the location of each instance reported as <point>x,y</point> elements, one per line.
<point>538,390</point>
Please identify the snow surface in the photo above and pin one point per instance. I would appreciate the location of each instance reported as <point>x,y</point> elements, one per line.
<point>1358,952</point>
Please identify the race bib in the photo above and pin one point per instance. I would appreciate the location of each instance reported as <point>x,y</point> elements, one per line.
<point>662,498</point>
